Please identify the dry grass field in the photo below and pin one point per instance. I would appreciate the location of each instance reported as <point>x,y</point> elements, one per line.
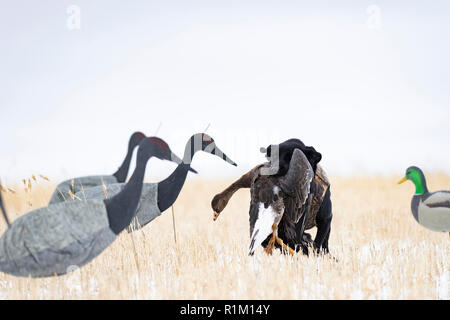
<point>382,252</point>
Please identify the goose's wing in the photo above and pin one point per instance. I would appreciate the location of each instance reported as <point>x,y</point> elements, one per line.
<point>300,186</point>
<point>438,199</point>
<point>61,192</point>
<point>50,240</point>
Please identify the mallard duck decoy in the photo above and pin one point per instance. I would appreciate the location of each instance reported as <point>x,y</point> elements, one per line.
<point>430,209</point>
<point>158,197</point>
<point>48,241</point>
<point>62,191</point>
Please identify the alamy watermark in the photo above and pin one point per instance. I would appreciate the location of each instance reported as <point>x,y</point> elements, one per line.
<point>73,21</point>
<point>374,17</point>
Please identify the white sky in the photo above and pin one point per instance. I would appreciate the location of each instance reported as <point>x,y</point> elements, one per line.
<point>371,101</point>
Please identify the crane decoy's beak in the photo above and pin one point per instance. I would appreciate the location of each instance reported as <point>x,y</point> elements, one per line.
<point>193,170</point>
<point>222,155</point>
<point>403,180</point>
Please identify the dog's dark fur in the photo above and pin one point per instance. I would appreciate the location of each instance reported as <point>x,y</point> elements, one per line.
<point>324,216</point>
<point>286,149</point>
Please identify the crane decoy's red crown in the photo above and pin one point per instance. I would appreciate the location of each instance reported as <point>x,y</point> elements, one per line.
<point>140,135</point>
<point>206,139</point>
<point>161,143</point>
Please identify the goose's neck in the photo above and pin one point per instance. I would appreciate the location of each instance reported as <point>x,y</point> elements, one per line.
<point>122,172</point>
<point>170,188</point>
<point>122,207</point>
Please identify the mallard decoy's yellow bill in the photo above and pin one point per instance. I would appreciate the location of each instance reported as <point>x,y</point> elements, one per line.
<point>404,179</point>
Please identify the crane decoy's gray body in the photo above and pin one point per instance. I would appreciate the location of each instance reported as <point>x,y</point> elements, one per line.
<point>157,197</point>
<point>74,185</point>
<point>48,241</point>
<point>430,209</point>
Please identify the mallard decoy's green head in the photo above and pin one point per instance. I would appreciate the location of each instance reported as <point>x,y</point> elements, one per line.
<point>416,175</point>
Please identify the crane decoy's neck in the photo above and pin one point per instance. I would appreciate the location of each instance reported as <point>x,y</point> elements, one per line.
<point>189,150</point>
<point>122,173</point>
<point>170,188</point>
<point>122,207</point>
<point>2,208</point>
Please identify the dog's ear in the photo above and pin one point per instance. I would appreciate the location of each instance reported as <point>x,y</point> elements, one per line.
<point>312,155</point>
<point>268,151</point>
<point>318,157</point>
<point>286,157</point>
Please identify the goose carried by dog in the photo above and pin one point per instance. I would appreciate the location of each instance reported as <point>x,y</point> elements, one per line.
<point>267,207</point>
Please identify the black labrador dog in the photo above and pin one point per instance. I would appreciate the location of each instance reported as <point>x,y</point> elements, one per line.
<point>324,214</point>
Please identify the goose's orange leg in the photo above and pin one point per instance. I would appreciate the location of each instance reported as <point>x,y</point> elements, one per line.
<point>285,246</point>
<point>271,244</point>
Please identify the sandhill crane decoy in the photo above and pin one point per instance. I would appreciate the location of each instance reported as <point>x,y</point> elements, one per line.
<point>50,240</point>
<point>158,197</point>
<point>430,209</point>
<point>65,189</point>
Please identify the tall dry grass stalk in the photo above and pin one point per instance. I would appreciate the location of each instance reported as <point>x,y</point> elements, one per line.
<point>382,252</point>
